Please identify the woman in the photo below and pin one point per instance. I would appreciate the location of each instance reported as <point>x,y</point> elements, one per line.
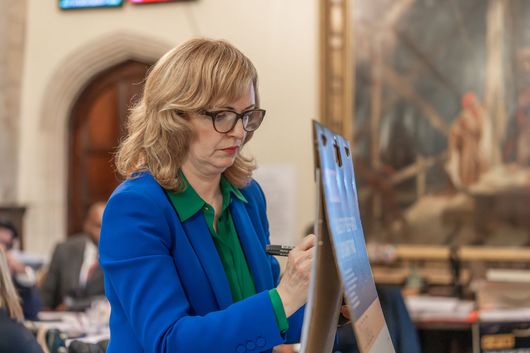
<point>14,337</point>
<point>183,238</point>
<point>23,276</point>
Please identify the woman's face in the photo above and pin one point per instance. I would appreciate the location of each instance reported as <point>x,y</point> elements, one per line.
<point>212,152</point>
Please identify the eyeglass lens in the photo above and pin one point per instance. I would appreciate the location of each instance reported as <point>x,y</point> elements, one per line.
<point>226,120</point>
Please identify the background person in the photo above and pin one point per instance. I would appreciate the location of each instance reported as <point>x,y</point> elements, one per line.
<point>183,238</point>
<point>14,337</point>
<point>74,276</point>
<point>23,276</point>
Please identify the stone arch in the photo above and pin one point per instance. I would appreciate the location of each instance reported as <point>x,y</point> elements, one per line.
<point>78,68</point>
<point>64,87</point>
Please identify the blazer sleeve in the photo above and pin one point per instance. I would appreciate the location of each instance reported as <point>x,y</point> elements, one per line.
<point>50,295</point>
<point>143,281</point>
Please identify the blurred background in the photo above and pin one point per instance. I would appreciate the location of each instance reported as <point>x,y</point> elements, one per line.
<point>434,97</point>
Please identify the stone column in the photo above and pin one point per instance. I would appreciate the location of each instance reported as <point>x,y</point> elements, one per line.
<point>12,35</point>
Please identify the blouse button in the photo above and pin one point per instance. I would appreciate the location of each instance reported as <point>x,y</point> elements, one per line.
<point>250,345</point>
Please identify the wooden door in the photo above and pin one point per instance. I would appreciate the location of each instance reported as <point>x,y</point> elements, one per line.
<point>97,124</point>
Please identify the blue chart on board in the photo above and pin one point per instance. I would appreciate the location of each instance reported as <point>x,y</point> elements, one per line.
<point>344,224</point>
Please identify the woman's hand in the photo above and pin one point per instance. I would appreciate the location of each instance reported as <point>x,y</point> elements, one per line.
<point>295,281</point>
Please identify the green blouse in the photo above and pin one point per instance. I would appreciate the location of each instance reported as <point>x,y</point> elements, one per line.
<point>187,203</point>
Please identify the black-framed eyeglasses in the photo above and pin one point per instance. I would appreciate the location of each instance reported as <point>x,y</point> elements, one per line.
<point>225,120</point>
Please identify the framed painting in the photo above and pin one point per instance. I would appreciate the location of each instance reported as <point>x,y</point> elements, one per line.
<point>440,120</point>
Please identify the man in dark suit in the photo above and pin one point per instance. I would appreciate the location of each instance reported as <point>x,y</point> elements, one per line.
<point>74,277</point>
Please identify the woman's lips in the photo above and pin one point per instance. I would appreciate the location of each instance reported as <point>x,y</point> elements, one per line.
<point>230,150</point>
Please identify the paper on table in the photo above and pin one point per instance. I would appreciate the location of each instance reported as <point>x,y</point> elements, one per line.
<point>439,308</point>
<point>505,315</point>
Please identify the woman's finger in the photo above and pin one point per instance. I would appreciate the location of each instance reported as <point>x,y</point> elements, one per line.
<point>345,311</point>
<point>308,242</point>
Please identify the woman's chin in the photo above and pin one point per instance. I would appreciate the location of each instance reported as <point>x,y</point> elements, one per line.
<point>227,161</point>
<point>221,167</point>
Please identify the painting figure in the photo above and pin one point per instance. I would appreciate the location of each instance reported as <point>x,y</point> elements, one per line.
<point>466,155</point>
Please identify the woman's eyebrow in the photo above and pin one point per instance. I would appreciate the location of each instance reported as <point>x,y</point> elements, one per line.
<point>232,108</point>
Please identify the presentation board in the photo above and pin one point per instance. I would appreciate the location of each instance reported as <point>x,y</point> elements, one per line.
<point>341,268</point>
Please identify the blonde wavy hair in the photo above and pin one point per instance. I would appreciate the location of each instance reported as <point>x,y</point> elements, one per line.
<point>8,294</point>
<point>197,75</point>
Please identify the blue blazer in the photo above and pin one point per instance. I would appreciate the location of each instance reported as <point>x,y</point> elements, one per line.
<point>166,284</point>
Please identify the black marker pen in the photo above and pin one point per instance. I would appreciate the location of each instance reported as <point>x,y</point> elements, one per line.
<point>278,250</point>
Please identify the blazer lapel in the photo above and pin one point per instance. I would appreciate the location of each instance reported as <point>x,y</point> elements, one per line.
<point>76,257</point>
<point>253,249</point>
<point>201,240</point>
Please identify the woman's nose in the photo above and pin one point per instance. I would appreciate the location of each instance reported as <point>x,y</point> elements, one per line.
<point>238,130</point>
